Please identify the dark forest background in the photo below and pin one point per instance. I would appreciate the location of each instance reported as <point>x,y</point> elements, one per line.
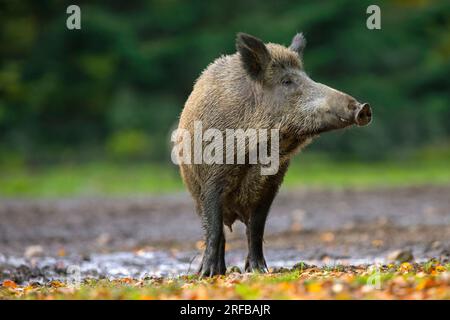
<point>114,89</point>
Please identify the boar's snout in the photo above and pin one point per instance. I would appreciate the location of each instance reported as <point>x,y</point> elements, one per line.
<point>363,115</point>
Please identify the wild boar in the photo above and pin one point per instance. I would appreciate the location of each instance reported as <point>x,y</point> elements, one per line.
<point>261,86</point>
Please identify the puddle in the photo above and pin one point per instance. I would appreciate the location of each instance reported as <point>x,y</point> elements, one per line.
<point>142,264</point>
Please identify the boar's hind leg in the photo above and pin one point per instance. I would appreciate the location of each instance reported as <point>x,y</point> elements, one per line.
<point>255,226</point>
<point>213,261</point>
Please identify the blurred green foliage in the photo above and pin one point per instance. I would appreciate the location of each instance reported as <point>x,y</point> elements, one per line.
<point>115,87</point>
<point>109,178</point>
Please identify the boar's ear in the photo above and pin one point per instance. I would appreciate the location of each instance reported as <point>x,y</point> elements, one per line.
<point>298,43</point>
<point>254,55</point>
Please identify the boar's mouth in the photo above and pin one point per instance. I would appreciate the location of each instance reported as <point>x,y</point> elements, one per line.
<point>361,117</point>
<point>344,121</point>
<point>339,122</point>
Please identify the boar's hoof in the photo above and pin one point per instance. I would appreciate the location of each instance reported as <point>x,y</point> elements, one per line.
<point>256,265</point>
<point>211,267</point>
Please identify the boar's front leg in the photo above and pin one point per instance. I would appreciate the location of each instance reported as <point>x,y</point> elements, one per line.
<point>255,261</point>
<point>213,261</point>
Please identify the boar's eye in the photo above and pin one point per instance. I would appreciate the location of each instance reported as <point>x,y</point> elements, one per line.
<point>286,82</point>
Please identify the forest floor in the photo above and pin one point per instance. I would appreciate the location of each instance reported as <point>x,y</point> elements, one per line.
<point>345,243</point>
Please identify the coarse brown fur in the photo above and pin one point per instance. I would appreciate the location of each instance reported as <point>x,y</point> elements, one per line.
<point>224,97</point>
<point>242,91</point>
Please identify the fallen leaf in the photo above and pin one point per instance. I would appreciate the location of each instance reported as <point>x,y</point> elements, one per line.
<point>56,284</point>
<point>406,267</point>
<point>200,245</point>
<point>61,252</point>
<point>314,287</point>
<point>440,269</point>
<point>9,284</point>
<point>327,237</point>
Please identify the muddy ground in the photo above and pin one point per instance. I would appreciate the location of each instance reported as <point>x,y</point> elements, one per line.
<point>41,240</point>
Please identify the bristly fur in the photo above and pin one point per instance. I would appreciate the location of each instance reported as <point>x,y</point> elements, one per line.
<point>261,86</point>
<point>298,43</point>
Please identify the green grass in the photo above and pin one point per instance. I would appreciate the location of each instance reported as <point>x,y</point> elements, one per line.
<point>372,174</point>
<point>112,179</point>
<point>89,180</point>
